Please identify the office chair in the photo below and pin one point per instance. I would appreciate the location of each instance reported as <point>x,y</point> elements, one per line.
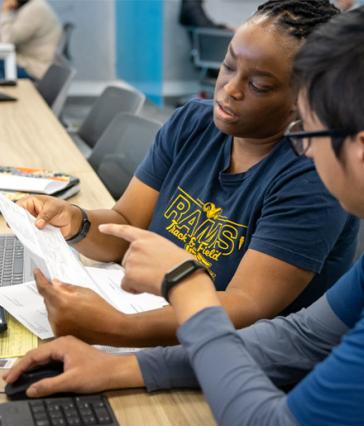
<point>121,148</point>
<point>65,41</point>
<point>112,101</point>
<point>54,86</point>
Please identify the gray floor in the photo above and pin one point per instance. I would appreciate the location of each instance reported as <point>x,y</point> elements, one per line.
<point>77,108</point>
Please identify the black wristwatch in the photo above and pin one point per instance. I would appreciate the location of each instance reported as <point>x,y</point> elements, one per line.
<point>84,228</point>
<point>178,274</point>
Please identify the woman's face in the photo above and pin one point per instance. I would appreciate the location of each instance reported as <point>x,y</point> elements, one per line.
<point>253,93</point>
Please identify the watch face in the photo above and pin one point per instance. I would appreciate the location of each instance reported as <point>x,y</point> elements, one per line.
<point>181,271</point>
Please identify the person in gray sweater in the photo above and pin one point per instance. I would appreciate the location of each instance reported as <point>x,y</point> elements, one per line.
<point>34,29</point>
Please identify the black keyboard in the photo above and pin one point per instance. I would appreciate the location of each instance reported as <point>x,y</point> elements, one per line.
<point>68,411</point>
<point>11,260</point>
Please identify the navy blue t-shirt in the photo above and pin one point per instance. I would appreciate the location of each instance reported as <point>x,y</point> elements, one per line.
<point>279,206</point>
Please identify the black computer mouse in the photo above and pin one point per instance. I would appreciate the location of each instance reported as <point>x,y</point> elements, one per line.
<point>17,389</point>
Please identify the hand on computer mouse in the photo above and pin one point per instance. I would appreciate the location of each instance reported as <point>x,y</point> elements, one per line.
<point>86,369</point>
<point>17,389</point>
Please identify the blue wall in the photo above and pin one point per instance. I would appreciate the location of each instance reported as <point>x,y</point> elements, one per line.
<point>139,45</point>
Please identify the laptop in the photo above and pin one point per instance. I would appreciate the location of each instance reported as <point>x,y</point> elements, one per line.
<point>16,266</point>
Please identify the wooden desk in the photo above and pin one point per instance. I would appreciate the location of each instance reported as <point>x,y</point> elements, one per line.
<point>31,136</point>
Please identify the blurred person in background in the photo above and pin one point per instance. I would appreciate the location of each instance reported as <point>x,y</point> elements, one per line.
<point>346,5</point>
<point>34,29</point>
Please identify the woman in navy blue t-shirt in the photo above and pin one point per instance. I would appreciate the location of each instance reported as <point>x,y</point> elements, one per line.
<point>222,182</point>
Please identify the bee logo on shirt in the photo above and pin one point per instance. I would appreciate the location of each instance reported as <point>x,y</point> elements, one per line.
<point>211,211</point>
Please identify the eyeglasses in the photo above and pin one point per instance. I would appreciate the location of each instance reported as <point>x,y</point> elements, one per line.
<point>301,140</point>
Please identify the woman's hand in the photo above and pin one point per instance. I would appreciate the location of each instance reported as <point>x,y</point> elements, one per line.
<point>53,211</point>
<point>79,311</point>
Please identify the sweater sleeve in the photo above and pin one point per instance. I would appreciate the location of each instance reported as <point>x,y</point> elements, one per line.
<point>20,26</point>
<point>287,348</point>
<point>236,388</point>
<point>284,348</point>
<point>166,368</point>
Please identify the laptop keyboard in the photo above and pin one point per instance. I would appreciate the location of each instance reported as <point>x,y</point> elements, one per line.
<point>79,410</point>
<point>11,260</point>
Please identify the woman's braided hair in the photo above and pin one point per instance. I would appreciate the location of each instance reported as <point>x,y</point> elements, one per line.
<point>299,17</point>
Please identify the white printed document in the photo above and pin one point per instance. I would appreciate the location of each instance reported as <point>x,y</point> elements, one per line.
<point>55,259</point>
<point>25,303</point>
<point>47,248</point>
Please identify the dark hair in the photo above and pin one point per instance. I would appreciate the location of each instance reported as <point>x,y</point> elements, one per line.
<point>21,3</point>
<point>330,68</point>
<point>298,17</point>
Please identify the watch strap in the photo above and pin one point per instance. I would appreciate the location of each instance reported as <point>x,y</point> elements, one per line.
<point>84,228</point>
<point>178,274</point>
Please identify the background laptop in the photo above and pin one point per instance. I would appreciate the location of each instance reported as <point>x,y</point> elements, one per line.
<point>15,262</point>
<point>15,266</point>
